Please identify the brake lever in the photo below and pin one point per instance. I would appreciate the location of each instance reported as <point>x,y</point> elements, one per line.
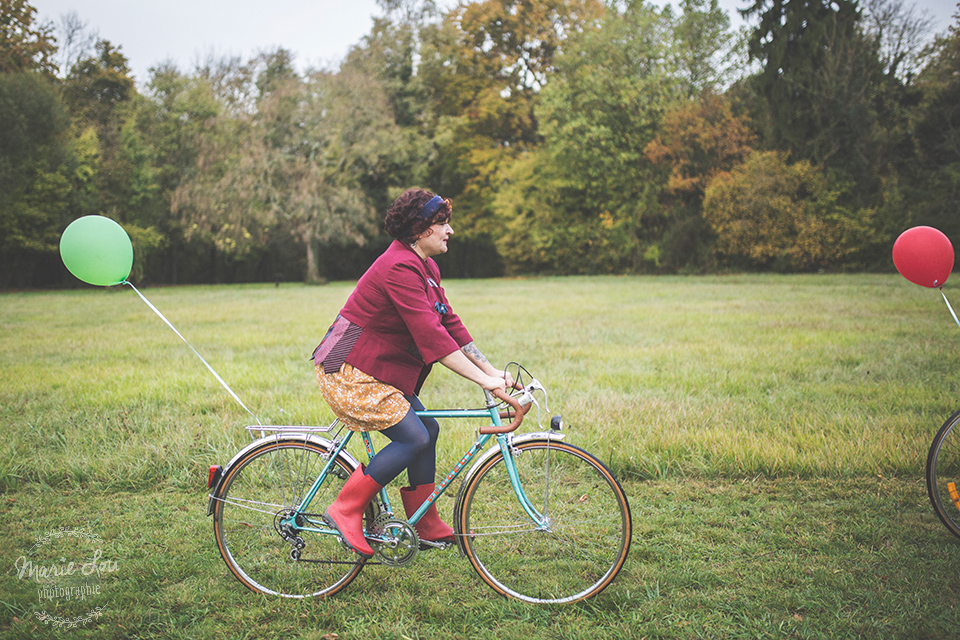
<point>525,397</point>
<point>534,385</point>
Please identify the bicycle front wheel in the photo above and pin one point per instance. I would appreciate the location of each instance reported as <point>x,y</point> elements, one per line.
<point>258,493</point>
<point>581,543</point>
<point>943,474</point>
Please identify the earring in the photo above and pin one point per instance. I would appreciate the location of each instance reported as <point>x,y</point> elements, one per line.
<point>413,245</point>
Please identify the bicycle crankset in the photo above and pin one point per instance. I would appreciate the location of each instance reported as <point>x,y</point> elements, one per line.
<point>396,541</point>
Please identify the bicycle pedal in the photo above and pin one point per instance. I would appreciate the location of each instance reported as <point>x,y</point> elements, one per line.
<point>426,545</point>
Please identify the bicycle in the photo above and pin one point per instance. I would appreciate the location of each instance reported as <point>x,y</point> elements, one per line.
<point>943,474</point>
<point>540,520</point>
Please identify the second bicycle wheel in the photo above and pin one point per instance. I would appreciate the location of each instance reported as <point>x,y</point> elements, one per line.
<point>583,542</point>
<point>261,489</point>
<point>943,474</point>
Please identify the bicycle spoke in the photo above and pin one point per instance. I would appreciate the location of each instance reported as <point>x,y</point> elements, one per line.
<point>253,515</point>
<point>585,537</point>
<point>943,474</point>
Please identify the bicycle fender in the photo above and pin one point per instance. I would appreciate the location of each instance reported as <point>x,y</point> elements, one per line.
<point>297,438</point>
<point>546,436</point>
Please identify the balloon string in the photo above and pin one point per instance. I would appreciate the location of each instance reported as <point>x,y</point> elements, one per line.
<point>949,307</point>
<point>215,374</point>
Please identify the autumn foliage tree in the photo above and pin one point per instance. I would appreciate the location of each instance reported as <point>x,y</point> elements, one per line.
<point>574,136</point>
<point>770,214</point>
<point>486,66</point>
<point>698,140</point>
<point>25,45</point>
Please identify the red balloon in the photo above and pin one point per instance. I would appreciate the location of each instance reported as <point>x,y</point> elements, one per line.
<point>924,256</point>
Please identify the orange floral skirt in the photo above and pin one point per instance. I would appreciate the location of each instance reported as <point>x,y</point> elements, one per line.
<point>362,402</point>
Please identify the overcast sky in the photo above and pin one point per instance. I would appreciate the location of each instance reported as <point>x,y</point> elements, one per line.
<point>318,32</point>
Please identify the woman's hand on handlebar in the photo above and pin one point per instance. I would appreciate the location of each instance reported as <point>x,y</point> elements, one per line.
<point>493,383</point>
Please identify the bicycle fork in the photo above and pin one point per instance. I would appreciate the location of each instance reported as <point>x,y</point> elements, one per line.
<point>541,520</point>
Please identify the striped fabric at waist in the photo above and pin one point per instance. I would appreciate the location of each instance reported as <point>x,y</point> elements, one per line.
<point>336,345</point>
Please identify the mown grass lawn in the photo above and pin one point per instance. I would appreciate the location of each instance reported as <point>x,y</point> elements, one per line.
<point>770,432</point>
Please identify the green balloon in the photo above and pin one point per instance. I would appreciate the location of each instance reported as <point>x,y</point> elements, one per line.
<point>97,250</point>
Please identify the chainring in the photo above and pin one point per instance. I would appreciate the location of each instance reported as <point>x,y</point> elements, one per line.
<point>398,544</point>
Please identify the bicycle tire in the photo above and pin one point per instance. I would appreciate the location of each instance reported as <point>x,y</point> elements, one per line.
<point>577,555</point>
<point>943,472</point>
<point>266,481</point>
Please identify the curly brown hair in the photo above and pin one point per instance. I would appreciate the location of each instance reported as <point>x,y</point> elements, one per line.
<point>403,220</point>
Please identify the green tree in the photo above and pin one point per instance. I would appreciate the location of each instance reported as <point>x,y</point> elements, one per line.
<point>898,35</point>
<point>817,79</point>
<point>183,117</point>
<point>388,56</point>
<point>937,134</point>
<point>486,67</point>
<point>835,99</point>
<point>119,179</point>
<point>36,164</point>
<point>597,115</point>
<point>211,132</point>
<point>313,175</point>
<point>295,163</point>
<point>98,86</point>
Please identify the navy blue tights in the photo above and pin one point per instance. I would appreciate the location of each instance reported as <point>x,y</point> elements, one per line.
<point>413,446</point>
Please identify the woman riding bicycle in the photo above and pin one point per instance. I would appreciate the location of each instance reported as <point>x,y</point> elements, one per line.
<point>374,359</point>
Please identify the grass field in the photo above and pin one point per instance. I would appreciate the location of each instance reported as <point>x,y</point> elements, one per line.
<point>770,432</point>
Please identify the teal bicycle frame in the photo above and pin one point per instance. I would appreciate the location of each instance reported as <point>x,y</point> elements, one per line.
<point>540,520</point>
<point>503,441</point>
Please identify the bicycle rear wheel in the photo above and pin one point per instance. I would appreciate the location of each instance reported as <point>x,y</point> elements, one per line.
<point>581,547</point>
<point>943,474</point>
<point>261,489</point>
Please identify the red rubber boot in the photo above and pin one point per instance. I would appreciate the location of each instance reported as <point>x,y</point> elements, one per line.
<point>430,527</point>
<point>346,512</point>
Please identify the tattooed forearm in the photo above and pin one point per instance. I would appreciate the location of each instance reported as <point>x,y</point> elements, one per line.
<point>474,354</point>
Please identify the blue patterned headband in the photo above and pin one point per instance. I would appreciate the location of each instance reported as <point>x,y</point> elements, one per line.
<point>431,207</point>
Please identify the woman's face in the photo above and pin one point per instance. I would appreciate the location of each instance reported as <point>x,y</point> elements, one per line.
<point>433,241</point>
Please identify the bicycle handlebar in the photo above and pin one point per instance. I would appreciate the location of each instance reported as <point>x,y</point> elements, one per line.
<point>521,411</point>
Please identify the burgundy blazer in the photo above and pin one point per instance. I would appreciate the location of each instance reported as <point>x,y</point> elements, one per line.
<point>396,323</point>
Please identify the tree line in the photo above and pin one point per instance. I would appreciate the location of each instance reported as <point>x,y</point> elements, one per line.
<point>574,137</point>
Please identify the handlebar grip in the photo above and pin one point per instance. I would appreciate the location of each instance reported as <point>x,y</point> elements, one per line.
<point>507,428</point>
